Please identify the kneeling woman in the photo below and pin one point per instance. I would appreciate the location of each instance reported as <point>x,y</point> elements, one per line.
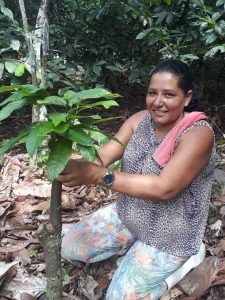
<point>164,189</point>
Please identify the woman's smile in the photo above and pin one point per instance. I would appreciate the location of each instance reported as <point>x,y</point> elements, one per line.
<point>159,111</point>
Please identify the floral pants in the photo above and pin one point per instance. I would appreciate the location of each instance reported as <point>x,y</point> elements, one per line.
<point>143,269</point>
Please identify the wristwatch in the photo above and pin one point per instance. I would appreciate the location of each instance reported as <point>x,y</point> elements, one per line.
<point>108,178</point>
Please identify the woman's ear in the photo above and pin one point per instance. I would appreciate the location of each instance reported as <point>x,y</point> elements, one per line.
<point>188,98</point>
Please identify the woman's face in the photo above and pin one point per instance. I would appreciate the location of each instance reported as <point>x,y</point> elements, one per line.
<point>165,99</point>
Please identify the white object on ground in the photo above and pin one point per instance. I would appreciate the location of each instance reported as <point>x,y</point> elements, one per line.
<point>191,263</point>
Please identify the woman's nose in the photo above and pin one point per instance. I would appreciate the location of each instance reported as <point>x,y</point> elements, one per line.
<point>158,100</point>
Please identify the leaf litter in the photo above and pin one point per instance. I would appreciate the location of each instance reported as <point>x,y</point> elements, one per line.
<point>24,204</point>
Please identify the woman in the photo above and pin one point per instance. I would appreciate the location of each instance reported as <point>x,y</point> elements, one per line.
<point>164,189</point>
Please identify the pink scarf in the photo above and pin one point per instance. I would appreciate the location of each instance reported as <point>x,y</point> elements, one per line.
<point>166,149</point>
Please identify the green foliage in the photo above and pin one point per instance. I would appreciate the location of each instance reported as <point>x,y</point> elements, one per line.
<point>113,43</point>
<point>33,253</point>
<point>11,38</point>
<point>65,275</point>
<point>63,129</point>
<point>58,157</point>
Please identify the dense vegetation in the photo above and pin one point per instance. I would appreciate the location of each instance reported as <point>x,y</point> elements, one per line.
<point>115,44</point>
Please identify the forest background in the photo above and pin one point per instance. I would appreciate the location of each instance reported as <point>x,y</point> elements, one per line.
<point>114,45</point>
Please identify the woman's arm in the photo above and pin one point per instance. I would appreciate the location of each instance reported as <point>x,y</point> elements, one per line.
<point>190,157</point>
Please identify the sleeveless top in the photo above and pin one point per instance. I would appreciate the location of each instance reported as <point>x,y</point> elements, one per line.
<point>176,226</point>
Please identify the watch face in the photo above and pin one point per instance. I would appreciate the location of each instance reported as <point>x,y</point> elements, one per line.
<point>108,179</point>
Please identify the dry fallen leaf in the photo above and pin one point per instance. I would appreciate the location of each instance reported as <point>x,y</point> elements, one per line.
<point>172,294</point>
<point>39,188</point>
<point>197,281</point>
<point>20,220</point>
<point>5,269</point>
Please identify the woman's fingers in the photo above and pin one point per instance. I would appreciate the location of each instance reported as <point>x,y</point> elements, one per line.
<point>65,178</point>
<point>78,172</point>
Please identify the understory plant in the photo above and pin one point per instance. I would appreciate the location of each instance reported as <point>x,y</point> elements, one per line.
<point>70,124</point>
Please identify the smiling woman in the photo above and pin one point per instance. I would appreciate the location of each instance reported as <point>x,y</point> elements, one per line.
<point>165,99</point>
<point>164,190</point>
<point>168,96</point>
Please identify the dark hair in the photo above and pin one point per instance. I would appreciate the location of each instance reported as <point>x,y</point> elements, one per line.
<point>182,71</point>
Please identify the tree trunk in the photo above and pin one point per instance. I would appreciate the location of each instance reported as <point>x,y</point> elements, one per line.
<point>50,238</point>
<point>32,58</point>
<point>41,42</point>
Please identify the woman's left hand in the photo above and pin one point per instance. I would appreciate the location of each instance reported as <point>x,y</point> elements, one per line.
<point>79,172</point>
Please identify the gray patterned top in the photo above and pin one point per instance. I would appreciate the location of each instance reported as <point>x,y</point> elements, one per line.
<point>176,226</point>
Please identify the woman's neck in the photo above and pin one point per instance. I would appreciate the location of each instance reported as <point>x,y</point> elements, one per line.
<point>162,130</point>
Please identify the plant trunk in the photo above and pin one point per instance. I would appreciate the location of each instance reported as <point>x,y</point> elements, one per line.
<point>50,238</point>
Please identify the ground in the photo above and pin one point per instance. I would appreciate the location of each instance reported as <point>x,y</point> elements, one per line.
<point>24,198</point>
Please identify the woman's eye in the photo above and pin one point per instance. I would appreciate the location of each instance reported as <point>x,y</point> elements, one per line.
<point>168,95</point>
<point>152,93</point>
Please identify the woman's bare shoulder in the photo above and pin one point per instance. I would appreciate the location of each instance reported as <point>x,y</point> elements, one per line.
<point>136,118</point>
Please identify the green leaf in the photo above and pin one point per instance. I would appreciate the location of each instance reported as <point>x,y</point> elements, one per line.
<point>214,50</point>
<point>8,144</point>
<point>115,68</point>
<point>33,253</point>
<point>91,94</point>
<point>211,38</point>
<point>220,2</point>
<point>61,128</point>
<point>20,70</point>
<point>52,100</point>
<point>79,136</point>
<point>99,137</point>
<point>36,136</point>
<point>27,66</point>
<point>188,57</point>
<point>71,97</point>
<point>15,96</point>
<point>97,69</point>
<point>142,34</point>
<point>101,62</point>
<point>106,104</point>
<point>2,66</point>
<point>66,278</point>
<point>11,66</point>
<point>216,15</point>
<point>6,11</point>
<point>15,45</point>
<point>65,275</point>
<point>219,30</point>
<point>4,50</point>
<point>31,89</point>
<point>88,118</point>
<point>7,88</point>
<point>57,118</point>
<point>12,106</point>
<point>96,121</point>
<point>169,19</point>
<point>58,157</point>
<point>89,153</point>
